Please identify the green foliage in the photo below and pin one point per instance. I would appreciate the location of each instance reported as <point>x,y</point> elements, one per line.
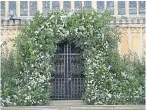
<point>128,73</point>
<point>105,80</point>
<point>8,76</point>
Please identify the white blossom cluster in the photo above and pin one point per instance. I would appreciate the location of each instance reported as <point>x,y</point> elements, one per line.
<point>88,31</point>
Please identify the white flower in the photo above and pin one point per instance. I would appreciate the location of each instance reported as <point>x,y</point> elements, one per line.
<point>28,98</point>
<point>42,56</point>
<point>8,99</point>
<point>29,87</point>
<point>36,32</point>
<point>94,64</point>
<point>109,95</point>
<point>76,30</point>
<point>109,67</point>
<point>41,46</point>
<point>70,13</point>
<point>89,61</point>
<point>103,76</point>
<point>123,74</point>
<point>81,28</point>
<point>33,82</point>
<point>32,65</point>
<point>52,16</point>
<point>42,78</point>
<point>42,27</point>
<point>14,103</point>
<point>15,96</point>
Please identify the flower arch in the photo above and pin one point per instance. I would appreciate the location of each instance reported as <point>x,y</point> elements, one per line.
<point>36,46</point>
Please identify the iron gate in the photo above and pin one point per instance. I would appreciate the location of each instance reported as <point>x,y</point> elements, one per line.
<point>68,76</point>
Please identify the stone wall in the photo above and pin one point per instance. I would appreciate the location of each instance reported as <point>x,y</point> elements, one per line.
<point>7,35</point>
<point>132,39</point>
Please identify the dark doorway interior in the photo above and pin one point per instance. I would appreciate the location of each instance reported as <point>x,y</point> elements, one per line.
<point>67,79</point>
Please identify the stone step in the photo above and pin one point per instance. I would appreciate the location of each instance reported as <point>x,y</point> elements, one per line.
<point>66,102</point>
<point>81,107</point>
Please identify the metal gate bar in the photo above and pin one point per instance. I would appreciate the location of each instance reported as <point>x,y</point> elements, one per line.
<point>67,79</point>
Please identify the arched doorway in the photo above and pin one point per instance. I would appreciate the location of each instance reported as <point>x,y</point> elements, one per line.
<point>67,81</point>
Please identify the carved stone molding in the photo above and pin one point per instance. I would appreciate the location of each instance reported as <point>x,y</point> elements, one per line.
<point>10,32</point>
<point>121,21</point>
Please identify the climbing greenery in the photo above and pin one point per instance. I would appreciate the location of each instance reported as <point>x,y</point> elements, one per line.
<point>107,79</point>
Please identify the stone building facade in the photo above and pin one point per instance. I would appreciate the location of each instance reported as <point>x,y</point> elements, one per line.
<point>130,18</point>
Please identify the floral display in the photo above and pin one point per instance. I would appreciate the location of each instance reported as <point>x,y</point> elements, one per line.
<point>109,78</point>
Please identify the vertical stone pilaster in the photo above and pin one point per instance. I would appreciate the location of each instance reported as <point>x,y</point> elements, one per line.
<point>6,8</point>
<point>94,5</point>
<point>141,42</point>
<point>105,5</point>
<point>115,7</point>
<point>61,5</point>
<point>28,3</point>
<point>39,5</point>
<point>18,8</point>
<point>129,39</point>
<point>72,6</point>
<point>82,4</point>
<point>50,5</point>
<point>127,7</point>
<point>137,8</point>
